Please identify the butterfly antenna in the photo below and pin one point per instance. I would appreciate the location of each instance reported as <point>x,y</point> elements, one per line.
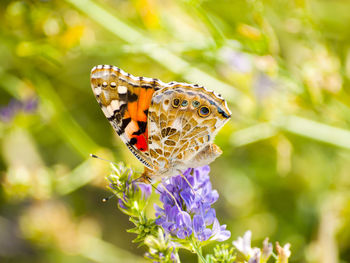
<point>97,157</point>
<point>106,199</point>
<point>155,188</point>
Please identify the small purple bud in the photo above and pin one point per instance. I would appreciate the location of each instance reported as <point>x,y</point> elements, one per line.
<point>146,189</point>
<point>121,203</point>
<point>31,105</point>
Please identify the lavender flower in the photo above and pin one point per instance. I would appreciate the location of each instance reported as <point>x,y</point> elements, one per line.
<point>188,222</point>
<point>283,253</point>
<point>244,246</point>
<point>128,190</point>
<point>192,212</point>
<point>266,250</point>
<point>263,86</point>
<point>257,255</point>
<point>238,61</point>
<point>9,111</point>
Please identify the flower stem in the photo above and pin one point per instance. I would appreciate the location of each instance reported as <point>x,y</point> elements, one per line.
<point>198,251</point>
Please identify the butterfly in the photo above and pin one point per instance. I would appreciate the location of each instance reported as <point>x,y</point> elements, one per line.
<point>169,127</point>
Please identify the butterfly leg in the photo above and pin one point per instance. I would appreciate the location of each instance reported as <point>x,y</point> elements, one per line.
<point>172,196</point>
<point>146,177</point>
<point>146,180</point>
<point>143,179</point>
<point>184,177</point>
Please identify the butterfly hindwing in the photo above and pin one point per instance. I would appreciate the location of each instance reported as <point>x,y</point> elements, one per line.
<point>183,120</point>
<point>125,101</point>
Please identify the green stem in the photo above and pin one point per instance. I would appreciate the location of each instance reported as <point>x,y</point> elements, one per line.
<point>198,251</point>
<point>274,255</point>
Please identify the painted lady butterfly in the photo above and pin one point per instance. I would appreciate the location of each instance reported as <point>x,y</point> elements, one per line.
<point>169,127</point>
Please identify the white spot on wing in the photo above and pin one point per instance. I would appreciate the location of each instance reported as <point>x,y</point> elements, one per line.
<point>134,78</point>
<point>100,74</point>
<point>110,110</point>
<point>122,72</point>
<point>99,66</point>
<point>122,90</point>
<point>166,107</point>
<point>115,105</point>
<point>97,91</point>
<point>106,112</point>
<point>147,79</point>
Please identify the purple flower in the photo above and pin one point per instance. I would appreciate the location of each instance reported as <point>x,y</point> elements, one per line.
<point>146,189</point>
<point>30,105</point>
<point>238,61</point>
<point>6,114</point>
<point>263,86</point>
<point>191,213</point>
<point>121,203</point>
<point>129,189</point>
<point>9,111</point>
<point>183,221</point>
<point>219,232</point>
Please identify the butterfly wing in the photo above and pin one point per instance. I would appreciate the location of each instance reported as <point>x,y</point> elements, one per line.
<point>183,120</point>
<point>125,101</point>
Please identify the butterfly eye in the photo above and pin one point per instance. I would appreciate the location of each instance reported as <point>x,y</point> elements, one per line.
<point>203,111</point>
<point>195,103</point>
<point>176,103</point>
<point>184,103</point>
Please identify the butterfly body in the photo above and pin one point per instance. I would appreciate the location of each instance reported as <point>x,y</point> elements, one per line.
<point>169,127</point>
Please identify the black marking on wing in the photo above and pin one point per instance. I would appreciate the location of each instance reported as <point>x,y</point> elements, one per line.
<point>223,113</point>
<point>142,127</point>
<point>147,86</point>
<point>133,141</point>
<point>125,123</point>
<point>131,148</point>
<point>132,96</point>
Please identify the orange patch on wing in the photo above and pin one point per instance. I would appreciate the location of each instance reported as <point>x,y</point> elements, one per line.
<point>136,111</point>
<point>132,109</point>
<point>144,103</point>
<point>126,115</point>
<point>141,116</point>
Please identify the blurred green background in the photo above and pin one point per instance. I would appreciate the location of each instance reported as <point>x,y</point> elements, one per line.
<point>283,66</point>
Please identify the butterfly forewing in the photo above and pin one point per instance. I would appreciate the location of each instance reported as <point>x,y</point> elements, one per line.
<point>125,100</point>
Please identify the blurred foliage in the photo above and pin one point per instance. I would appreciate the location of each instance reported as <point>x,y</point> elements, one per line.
<point>283,66</point>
